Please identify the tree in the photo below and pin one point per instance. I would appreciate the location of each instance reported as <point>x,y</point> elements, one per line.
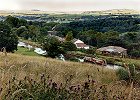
<point>21,30</point>
<point>69,36</point>
<point>8,39</point>
<point>12,21</point>
<point>69,46</point>
<point>34,32</point>
<point>52,46</point>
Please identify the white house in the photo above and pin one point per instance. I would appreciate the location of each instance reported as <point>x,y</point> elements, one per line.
<point>80,44</point>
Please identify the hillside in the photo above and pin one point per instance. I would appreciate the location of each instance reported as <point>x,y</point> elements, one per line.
<point>37,12</point>
<point>113,12</point>
<point>25,65</point>
<point>40,78</point>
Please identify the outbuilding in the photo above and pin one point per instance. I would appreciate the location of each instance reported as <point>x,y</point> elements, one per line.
<point>113,50</point>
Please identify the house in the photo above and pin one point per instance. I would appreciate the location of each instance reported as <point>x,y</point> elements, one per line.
<point>113,50</point>
<point>80,44</point>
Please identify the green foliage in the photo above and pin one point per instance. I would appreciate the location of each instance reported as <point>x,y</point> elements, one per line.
<point>52,46</point>
<point>110,61</point>
<point>34,32</point>
<point>25,51</point>
<point>69,36</point>
<point>98,31</point>
<point>91,51</point>
<point>21,30</point>
<point>8,39</point>
<point>44,30</point>
<point>69,46</point>
<point>135,53</point>
<point>12,21</point>
<point>89,37</point>
<point>123,74</point>
<point>15,22</point>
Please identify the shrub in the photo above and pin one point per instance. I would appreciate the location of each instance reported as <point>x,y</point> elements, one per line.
<point>123,74</point>
<point>110,61</point>
<point>135,53</point>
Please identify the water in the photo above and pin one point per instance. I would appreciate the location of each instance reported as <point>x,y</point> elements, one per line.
<point>115,67</point>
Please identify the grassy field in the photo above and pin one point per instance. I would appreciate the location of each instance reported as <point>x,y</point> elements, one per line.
<point>25,51</point>
<point>29,76</point>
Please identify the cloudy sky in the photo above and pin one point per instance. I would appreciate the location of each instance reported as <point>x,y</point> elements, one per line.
<point>69,5</point>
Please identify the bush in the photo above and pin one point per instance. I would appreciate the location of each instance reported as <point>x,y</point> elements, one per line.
<point>123,74</point>
<point>88,51</point>
<point>110,61</point>
<point>135,53</point>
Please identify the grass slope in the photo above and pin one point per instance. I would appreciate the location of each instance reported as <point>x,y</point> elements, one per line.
<point>21,66</point>
<point>14,68</point>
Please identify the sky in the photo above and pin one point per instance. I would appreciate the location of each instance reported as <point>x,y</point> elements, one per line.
<point>69,5</point>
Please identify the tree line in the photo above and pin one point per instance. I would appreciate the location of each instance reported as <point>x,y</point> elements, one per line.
<point>120,31</point>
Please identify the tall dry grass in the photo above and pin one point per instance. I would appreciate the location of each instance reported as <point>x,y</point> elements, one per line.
<point>21,66</point>
<point>22,75</point>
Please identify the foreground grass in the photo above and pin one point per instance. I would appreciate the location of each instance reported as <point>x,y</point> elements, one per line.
<point>58,70</point>
<point>39,77</point>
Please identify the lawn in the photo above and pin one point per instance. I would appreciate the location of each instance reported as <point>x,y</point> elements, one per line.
<point>25,51</point>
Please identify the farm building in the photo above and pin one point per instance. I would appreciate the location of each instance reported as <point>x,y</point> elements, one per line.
<point>113,50</point>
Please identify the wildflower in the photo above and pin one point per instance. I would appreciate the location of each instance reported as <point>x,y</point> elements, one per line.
<point>54,85</point>
<point>86,86</point>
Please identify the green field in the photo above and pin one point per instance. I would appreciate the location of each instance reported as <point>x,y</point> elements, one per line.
<point>25,51</point>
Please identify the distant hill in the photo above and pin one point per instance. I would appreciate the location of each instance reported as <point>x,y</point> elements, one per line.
<point>36,12</point>
<point>113,12</point>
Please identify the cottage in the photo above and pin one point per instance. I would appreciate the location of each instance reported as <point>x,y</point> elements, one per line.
<point>80,44</point>
<point>113,50</point>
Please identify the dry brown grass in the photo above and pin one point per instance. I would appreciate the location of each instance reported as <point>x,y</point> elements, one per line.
<point>17,67</point>
<point>21,66</point>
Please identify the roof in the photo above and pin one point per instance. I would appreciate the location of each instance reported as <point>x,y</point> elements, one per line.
<point>82,45</point>
<point>112,49</point>
<point>77,41</point>
<point>74,40</point>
